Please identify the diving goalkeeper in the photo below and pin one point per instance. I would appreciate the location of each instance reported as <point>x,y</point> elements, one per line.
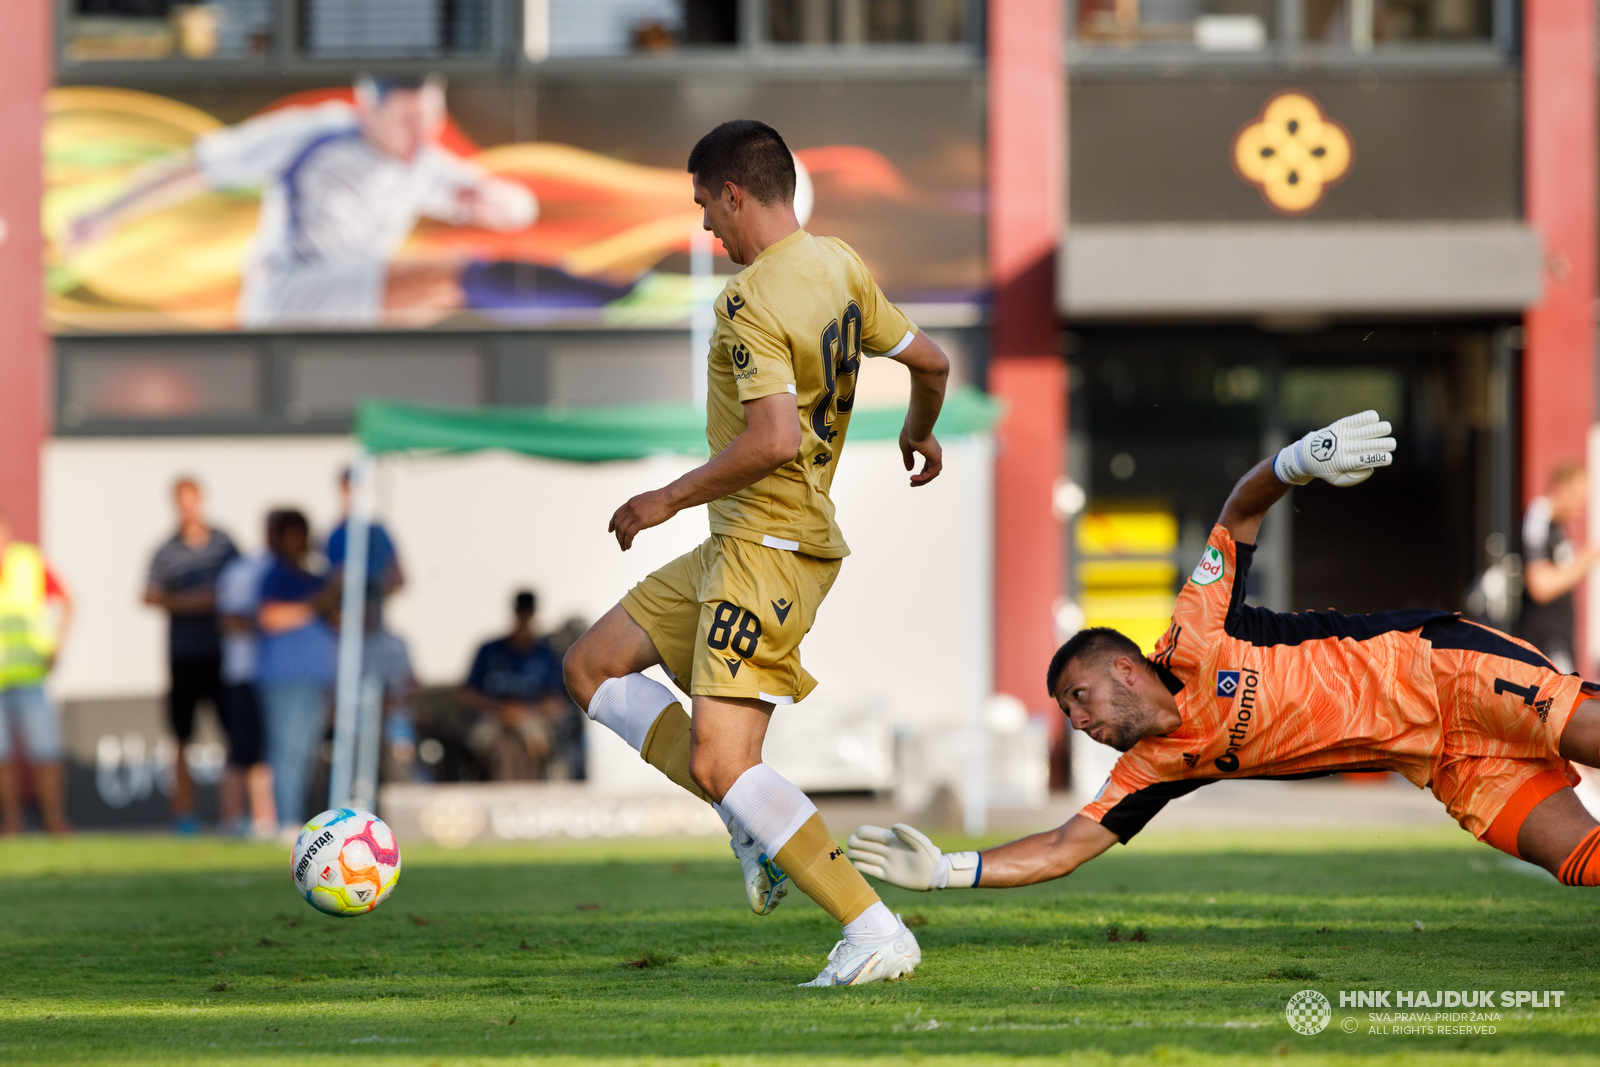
<point>1234,691</point>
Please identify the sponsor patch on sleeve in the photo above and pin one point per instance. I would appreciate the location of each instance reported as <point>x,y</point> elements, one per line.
<point>1210,567</point>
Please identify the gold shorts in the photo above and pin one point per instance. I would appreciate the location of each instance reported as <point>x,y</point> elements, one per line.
<point>727,618</point>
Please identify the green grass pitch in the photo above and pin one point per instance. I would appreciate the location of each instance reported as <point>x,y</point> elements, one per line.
<point>143,950</point>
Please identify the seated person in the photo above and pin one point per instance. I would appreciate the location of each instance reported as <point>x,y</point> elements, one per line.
<point>516,681</point>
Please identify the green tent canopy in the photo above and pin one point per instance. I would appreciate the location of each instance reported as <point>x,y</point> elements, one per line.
<point>613,432</point>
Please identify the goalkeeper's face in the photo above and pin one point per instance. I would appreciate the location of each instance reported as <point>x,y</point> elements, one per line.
<point>1098,699</point>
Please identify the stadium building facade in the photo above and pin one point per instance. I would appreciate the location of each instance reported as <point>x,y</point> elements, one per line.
<point>1171,236</point>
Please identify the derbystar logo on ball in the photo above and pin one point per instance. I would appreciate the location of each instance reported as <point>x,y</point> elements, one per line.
<point>346,862</point>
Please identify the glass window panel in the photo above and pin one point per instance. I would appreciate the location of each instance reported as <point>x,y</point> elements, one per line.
<point>621,372</point>
<point>1338,22</point>
<point>1213,25</point>
<point>577,28</point>
<point>867,21</point>
<point>1313,397</point>
<point>1399,21</point>
<point>161,29</point>
<point>134,383</point>
<point>331,381</point>
<point>354,29</point>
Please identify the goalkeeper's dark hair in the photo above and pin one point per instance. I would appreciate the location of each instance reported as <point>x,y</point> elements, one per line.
<point>1096,642</point>
<point>748,153</point>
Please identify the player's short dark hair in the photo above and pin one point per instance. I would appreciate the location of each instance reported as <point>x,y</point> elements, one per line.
<point>748,153</point>
<point>1092,643</point>
<point>525,602</point>
<point>381,85</point>
<point>281,521</point>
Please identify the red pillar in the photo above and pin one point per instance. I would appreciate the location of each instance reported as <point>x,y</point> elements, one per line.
<point>1027,156</point>
<point>24,349</point>
<point>1560,145</point>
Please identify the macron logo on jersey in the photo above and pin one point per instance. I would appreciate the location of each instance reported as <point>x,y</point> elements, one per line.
<point>735,302</point>
<point>1227,684</point>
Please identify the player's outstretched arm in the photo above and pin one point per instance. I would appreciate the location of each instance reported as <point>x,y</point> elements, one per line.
<point>161,187</point>
<point>930,370</point>
<point>904,856</point>
<point>771,439</point>
<point>1343,454</point>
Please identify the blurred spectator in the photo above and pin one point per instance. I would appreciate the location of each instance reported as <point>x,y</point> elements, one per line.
<point>384,575</point>
<point>387,658</point>
<point>516,681</point>
<point>248,774</point>
<point>1553,565</point>
<point>29,641</point>
<point>569,726</point>
<point>183,581</point>
<point>296,665</point>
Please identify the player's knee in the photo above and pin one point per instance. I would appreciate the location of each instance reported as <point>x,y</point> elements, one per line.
<point>710,774</point>
<point>581,673</point>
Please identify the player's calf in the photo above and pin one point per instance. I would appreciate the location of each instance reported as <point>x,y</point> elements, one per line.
<point>1561,836</point>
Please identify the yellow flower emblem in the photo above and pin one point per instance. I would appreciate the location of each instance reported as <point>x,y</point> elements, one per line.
<point>1292,152</point>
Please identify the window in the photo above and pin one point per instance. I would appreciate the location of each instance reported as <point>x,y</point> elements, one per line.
<point>330,381</point>
<point>139,383</point>
<point>1256,25</point>
<point>1213,25</point>
<point>360,29</point>
<point>165,29</point>
<point>556,29</point>
<point>867,21</point>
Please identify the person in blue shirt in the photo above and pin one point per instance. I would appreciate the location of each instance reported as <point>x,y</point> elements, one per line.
<point>296,664</point>
<point>384,574</point>
<point>516,681</point>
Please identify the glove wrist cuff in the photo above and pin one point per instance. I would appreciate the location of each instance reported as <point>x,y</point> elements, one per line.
<point>1287,469</point>
<point>965,869</point>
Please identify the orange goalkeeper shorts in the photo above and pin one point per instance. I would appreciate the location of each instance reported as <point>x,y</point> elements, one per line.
<point>1503,707</point>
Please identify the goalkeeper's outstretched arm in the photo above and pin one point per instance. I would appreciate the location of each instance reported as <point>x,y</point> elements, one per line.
<point>903,856</point>
<point>1342,454</point>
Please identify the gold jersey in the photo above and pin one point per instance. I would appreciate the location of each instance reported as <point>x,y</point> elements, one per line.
<point>797,320</point>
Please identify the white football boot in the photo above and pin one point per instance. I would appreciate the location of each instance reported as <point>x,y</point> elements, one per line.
<point>870,959</point>
<point>764,881</point>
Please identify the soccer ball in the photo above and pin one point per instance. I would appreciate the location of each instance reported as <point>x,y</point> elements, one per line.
<point>346,862</point>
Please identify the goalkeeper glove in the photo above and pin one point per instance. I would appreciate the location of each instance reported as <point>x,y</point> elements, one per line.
<point>1343,454</point>
<point>904,857</point>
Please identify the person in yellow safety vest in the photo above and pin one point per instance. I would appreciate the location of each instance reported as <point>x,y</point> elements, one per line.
<point>29,640</point>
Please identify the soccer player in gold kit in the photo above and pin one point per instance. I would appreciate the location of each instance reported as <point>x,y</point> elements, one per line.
<point>726,620</point>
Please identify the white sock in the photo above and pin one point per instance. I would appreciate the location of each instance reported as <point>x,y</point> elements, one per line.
<point>771,807</point>
<point>629,706</point>
<point>876,921</point>
<point>724,814</point>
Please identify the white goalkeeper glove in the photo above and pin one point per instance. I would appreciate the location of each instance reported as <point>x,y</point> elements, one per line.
<point>1343,454</point>
<point>904,857</point>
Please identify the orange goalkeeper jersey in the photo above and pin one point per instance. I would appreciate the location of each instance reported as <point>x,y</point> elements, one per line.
<point>1270,695</point>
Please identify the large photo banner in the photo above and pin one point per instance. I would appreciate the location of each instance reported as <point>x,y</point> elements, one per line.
<point>371,205</point>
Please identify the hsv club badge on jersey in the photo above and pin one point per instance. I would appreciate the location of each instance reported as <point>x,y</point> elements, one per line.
<point>1227,684</point>
<point>1210,567</point>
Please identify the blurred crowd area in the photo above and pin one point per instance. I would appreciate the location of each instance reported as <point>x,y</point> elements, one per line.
<point>253,640</point>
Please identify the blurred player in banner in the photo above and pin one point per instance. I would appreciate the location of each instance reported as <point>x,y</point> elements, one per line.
<point>727,619</point>
<point>342,188</point>
<point>1234,691</point>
